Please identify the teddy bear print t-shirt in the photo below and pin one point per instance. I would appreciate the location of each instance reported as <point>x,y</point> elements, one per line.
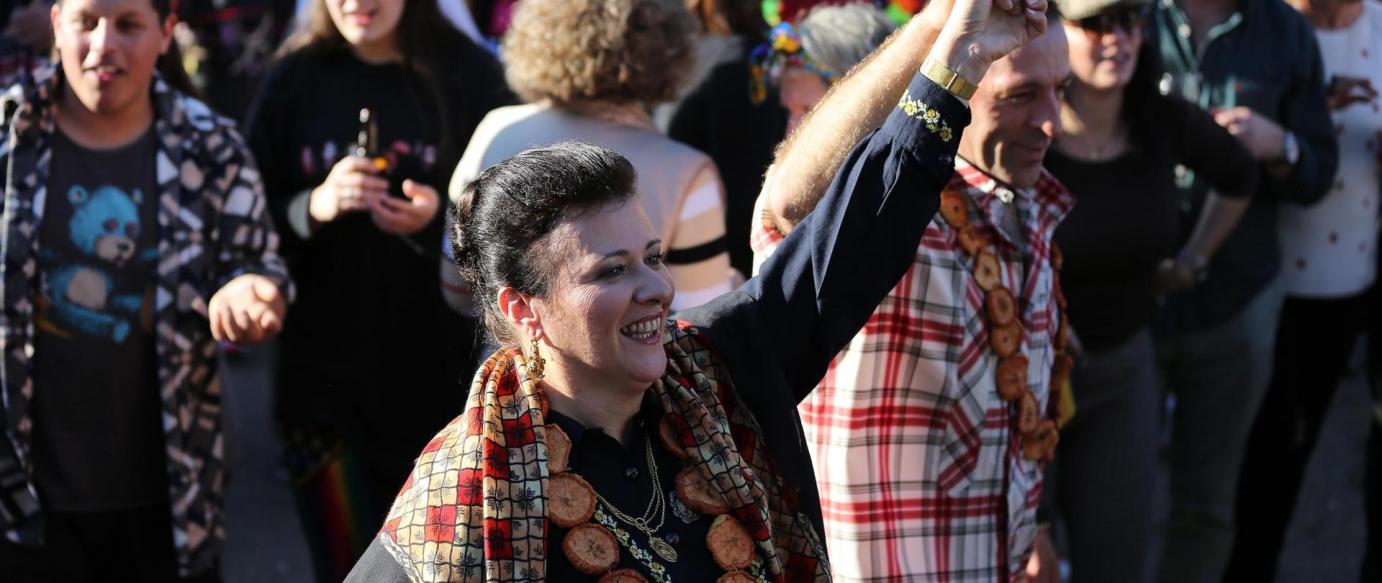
<point>98,441</point>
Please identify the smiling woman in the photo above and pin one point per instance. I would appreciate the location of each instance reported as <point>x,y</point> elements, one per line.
<point>598,404</point>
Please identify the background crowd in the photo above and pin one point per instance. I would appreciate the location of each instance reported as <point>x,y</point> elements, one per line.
<point>1219,261</point>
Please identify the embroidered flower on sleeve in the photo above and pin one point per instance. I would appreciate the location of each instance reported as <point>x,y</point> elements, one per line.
<point>916,109</point>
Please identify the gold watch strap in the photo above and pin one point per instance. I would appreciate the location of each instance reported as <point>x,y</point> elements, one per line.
<point>948,79</point>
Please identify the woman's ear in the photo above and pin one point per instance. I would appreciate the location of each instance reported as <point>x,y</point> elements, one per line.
<point>520,312</point>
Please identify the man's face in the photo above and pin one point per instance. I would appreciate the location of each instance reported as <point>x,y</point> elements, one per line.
<point>1016,111</point>
<point>109,49</point>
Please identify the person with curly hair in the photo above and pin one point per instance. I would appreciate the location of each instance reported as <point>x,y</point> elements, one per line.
<point>589,70</point>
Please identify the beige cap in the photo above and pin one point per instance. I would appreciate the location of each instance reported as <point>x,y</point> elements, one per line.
<point>1078,9</point>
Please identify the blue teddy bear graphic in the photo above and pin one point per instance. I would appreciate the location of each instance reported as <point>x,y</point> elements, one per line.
<point>105,228</point>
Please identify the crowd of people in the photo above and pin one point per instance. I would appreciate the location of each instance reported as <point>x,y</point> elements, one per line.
<point>694,290</point>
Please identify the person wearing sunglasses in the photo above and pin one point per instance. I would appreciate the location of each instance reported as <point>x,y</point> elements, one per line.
<point>1255,65</point>
<point>1118,152</point>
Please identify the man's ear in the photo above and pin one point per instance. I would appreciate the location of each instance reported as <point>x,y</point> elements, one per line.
<point>169,24</point>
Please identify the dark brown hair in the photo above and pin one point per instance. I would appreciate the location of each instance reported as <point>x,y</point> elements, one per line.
<point>169,63</point>
<point>499,226</point>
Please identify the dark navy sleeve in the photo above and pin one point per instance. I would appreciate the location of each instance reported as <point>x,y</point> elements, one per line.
<point>1305,111</point>
<point>377,566</point>
<point>828,276</point>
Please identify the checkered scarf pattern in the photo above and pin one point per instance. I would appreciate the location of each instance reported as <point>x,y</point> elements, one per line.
<point>475,506</point>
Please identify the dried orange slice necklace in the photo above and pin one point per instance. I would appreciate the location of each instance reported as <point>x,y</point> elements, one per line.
<point>593,549</point>
<point>1004,325</point>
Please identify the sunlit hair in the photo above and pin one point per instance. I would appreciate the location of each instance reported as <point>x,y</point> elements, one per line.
<point>617,51</point>
<point>838,37</point>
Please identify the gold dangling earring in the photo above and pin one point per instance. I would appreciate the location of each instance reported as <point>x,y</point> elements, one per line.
<point>535,363</point>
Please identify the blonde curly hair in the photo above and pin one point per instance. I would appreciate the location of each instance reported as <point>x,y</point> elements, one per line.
<point>570,51</point>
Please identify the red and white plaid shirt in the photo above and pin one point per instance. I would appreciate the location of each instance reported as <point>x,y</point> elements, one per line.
<point>918,460</point>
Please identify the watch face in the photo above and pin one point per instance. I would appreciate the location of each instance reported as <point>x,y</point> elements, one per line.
<point>1292,149</point>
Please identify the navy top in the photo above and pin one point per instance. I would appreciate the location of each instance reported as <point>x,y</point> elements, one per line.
<point>621,475</point>
<point>779,331</point>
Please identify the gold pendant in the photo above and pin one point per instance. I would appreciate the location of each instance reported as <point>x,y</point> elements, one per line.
<point>663,549</point>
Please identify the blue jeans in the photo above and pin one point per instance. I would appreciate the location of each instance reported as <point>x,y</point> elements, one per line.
<point>1218,377</point>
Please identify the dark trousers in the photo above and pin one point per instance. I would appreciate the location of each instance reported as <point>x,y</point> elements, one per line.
<point>1105,470</point>
<point>1372,481</point>
<point>1314,342</point>
<point>127,545</point>
<point>1372,492</point>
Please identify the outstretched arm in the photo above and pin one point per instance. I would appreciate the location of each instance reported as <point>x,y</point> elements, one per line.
<point>856,106</point>
<point>822,284</point>
<point>859,103</point>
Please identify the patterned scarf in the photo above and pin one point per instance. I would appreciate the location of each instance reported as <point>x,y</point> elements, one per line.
<point>474,508</point>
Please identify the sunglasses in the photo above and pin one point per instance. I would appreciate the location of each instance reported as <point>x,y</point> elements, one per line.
<point>1128,18</point>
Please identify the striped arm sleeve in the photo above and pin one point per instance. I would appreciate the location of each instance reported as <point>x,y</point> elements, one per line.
<point>696,254</point>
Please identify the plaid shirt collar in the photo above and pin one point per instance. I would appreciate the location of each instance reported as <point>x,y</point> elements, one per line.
<point>993,197</point>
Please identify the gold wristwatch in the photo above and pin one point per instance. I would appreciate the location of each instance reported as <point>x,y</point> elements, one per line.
<point>948,79</point>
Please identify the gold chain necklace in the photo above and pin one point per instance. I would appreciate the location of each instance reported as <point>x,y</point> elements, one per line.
<point>657,507</point>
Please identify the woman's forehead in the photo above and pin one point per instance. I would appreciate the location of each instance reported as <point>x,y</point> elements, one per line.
<point>607,229</point>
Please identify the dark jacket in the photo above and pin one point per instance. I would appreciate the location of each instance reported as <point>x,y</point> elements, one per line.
<point>1263,57</point>
<point>215,226</point>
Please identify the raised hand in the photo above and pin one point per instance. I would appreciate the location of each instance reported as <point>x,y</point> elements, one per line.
<point>978,32</point>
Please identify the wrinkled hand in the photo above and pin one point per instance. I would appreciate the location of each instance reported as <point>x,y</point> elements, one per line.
<point>979,32</point>
<point>405,217</point>
<point>1262,136</point>
<point>249,309</point>
<point>352,186</point>
<point>1044,566</point>
<point>32,26</point>
<point>1346,91</point>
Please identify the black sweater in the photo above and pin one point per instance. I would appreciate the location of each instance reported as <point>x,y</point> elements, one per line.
<point>1127,216</point>
<point>369,340</point>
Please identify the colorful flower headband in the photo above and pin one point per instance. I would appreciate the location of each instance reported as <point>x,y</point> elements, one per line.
<point>771,58</point>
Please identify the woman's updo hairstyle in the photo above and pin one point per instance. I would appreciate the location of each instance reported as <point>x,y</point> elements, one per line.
<point>500,225</point>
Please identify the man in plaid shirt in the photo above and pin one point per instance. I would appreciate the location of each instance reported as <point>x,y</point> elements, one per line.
<point>919,463</point>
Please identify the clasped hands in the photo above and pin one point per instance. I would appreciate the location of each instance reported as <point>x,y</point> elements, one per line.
<point>354,185</point>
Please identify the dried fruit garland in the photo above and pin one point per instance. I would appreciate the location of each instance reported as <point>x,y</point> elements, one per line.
<point>593,549</point>
<point>1038,429</point>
